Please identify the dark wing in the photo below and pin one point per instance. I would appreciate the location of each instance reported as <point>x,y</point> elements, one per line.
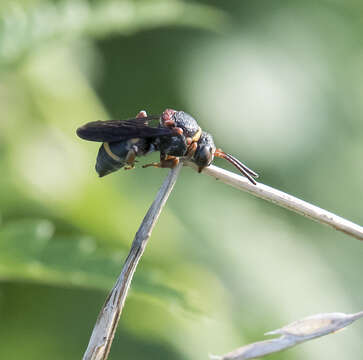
<point>118,130</point>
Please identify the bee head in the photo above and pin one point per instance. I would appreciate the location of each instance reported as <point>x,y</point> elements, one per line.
<point>204,154</point>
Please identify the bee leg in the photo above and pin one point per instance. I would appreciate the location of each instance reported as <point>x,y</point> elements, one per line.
<point>154,164</point>
<point>167,162</point>
<point>191,149</point>
<point>130,159</point>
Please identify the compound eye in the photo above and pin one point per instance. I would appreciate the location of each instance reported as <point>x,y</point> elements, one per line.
<point>204,156</point>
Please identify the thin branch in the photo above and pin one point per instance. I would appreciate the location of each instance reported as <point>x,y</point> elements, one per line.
<point>285,200</point>
<point>106,324</point>
<point>293,334</point>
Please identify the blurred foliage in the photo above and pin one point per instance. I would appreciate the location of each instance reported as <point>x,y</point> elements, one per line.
<point>68,261</point>
<point>25,29</point>
<point>278,84</point>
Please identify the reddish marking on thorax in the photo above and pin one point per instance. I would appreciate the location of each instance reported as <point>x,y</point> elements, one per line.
<point>141,114</point>
<point>167,116</point>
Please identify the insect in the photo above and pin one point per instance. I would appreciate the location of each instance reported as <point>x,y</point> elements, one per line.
<point>175,135</point>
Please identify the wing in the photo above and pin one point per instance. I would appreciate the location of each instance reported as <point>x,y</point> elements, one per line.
<point>117,130</point>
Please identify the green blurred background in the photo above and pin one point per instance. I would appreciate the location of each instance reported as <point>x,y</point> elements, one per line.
<point>278,83</point>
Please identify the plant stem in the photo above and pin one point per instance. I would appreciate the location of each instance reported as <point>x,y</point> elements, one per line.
<point>108,318</point>
<point>285,200</point>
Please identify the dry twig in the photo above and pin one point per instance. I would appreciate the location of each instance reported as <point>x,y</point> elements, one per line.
<point>318,325</point>
<point>293,334</point>
<point>106,324</point>
<point>285,200</point>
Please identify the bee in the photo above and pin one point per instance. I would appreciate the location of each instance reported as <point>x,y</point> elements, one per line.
<point>175,135</point>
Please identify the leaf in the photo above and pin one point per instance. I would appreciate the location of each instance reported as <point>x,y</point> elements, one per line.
<point>24,29</point>
<point>29,251</point>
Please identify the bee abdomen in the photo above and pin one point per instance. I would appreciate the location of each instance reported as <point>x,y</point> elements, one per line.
<point>111,157</point>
